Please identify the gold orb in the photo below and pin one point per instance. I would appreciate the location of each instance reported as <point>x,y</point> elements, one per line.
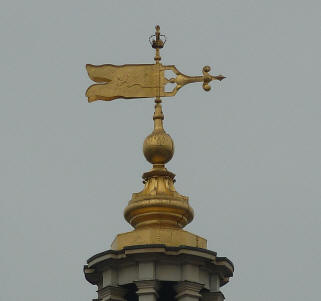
<point>206,87</point>
<point>158,147</point>
<point>207,69</point>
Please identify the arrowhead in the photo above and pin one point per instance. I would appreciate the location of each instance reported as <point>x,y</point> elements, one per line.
<point>220,77</point>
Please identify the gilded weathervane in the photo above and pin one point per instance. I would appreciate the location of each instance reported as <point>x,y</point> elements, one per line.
<point>141,80</point>
<point>159,258</point>
<point>158,212</point>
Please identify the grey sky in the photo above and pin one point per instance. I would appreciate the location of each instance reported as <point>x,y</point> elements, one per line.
<point>247,153</point>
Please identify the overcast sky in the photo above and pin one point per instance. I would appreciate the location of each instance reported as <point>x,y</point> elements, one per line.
<point>247,152</point>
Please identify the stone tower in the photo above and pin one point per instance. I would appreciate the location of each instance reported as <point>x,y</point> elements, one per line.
<point>159,260</point>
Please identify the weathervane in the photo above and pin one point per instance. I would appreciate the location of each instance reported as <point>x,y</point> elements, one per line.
<point>141,80</point>
<point>158,212</point>
<point>160,260</point>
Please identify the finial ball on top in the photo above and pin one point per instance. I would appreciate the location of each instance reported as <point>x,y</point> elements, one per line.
<point>158,147</point>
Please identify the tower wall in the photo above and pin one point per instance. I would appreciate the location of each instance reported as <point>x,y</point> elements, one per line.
<point>150,272</point>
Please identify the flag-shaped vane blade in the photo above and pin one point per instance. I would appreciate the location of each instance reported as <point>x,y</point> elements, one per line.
<point>125,81</point>
<point>139,81</point>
